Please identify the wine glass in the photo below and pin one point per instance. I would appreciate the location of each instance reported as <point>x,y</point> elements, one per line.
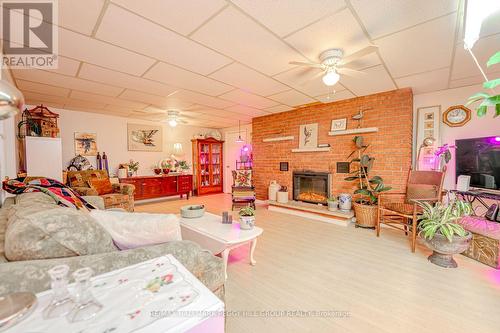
<point>86,306</point>
<point>61,303</point>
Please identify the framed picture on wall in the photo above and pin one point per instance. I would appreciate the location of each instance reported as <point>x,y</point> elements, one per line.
<point>144,137</point>
<point>428,124</point>
<point>338,124</point>
<point>283,166</point>
<point>308,136</point>
<point>85,144</point>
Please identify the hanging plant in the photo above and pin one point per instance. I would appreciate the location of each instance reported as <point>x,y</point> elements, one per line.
<point>488,100</point>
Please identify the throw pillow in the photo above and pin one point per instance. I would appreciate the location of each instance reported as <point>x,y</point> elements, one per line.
<point>54,233</point>
<point>132,230</point>
<point>102,186</point>
<point>76,180</point>
<point>243,178</point>
<point>420,191</point>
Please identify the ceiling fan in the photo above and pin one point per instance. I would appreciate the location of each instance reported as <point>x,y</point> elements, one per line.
<point>333,64</point>
<point>174,117</point>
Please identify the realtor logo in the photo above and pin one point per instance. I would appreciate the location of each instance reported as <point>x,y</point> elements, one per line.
<point>29,33</point>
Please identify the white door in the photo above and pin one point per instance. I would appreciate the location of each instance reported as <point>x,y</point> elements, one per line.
<point>231,155</point>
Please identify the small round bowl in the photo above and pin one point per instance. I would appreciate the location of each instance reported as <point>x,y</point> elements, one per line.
<point>192,211</point>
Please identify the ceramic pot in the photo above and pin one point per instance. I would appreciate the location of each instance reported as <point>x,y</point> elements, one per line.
<point>166,171</point>
<point>282,197</point>
<point>345,201</point>
<point>157,171</point>
<point>247,222</point>
<point>273,190</point>
<point>333,205</point>
<point>443,250</point>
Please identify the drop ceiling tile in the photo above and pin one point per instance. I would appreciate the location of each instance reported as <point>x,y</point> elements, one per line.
<point>292,98</point>
<point>376,79</point>
<point>117,102</point>
<point>236,35</point>
<point>305,79</point>
<point>123,28</point>
<point>425,82</point>
<point>47,104</point>
<point>340,30</point>
<point>249,80</point>
<point>181,78</point>
<point>66,66</point>
<point>382,17</point>
<point>76,103</point>
<point>464,65</point>
<point>471,80</point>
<point>80,47</point>
<point>197,98</point>
<point>242,97</point>
<point>285,16</point>
<point>246,110</point>
<point>172,13</point>
<point>42,88</point>
<point>118,79</point>
<point>278,108</point>
<point>80,16</point>
<point>420,49</point>
<point>143,97</point>
<point>66,82</point>
<point>337,96</point>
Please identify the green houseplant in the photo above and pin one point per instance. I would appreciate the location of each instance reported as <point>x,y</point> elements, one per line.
<point>486,99</point>
<point>441,233</point>
<point>247,218</point>
<point>333,204</point>
<point>365,206</point>
<point>133,167</point>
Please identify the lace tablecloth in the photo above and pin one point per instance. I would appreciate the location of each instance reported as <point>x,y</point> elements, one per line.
<point>156,295</point>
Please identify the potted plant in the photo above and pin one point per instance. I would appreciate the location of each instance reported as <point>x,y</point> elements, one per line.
<point>247,218</point>
<point>333,204</point>
<point>184,166</point>
<point>133,167</point>
<point>442,234</point>
<point>166,165</point>
<point>282,195</point>
<point>365,205</point>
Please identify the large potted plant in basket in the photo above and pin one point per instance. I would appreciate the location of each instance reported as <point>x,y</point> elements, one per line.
<point>365,206</point>
<point>442,234</point>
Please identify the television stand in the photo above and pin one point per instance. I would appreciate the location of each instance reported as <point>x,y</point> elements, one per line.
<point>472,196</point>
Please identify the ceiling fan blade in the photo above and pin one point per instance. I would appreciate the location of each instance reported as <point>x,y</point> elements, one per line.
<point>173,93</point>
<point>350,72</point>
<point>315,76</point>
<point>361,53</point>
<point>309,64</point>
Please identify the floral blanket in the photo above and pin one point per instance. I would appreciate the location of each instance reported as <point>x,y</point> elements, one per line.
<point>62,194</point>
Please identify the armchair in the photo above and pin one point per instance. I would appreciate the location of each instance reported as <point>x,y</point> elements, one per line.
<point>121,196</point>
<point>401,210</point>
<point>243,192</point>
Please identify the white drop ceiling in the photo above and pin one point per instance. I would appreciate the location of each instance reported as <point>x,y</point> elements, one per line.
<point>220,62</point>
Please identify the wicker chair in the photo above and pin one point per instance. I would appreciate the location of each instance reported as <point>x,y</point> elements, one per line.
<point>243,192</point>
<point>401,210</point>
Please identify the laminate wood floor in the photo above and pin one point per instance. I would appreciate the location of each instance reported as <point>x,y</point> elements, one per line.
<point>313,266</point>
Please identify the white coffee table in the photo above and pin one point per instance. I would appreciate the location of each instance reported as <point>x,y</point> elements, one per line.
<point>209,232</point>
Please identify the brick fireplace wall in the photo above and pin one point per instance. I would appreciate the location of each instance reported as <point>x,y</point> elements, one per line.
<point>391,146</point>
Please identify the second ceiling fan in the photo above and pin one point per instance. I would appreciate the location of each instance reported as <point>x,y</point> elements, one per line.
<point>333,63</point>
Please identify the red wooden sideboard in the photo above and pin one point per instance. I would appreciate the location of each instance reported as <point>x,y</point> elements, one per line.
<point>149,187</point>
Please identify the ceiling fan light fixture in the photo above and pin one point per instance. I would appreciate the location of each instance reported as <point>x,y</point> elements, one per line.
<point>331,77</point>
<point>172,122</point>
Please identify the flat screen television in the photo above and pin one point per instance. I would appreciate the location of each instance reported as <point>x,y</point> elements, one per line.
<point>479,158</point>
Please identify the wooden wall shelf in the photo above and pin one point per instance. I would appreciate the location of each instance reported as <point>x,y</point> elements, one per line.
<point>279,138</point>
<point>310,150</point>
<point>354,131</point>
